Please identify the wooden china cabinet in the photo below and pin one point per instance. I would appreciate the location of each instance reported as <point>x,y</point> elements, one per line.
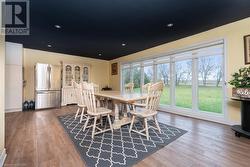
<point>73,72</point>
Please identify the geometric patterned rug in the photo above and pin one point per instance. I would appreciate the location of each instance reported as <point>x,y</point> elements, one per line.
<point>120,148</point>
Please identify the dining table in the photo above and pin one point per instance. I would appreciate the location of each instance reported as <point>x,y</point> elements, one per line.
<point>118,98</point>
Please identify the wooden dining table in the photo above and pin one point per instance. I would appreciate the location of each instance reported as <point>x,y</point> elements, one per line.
<point>121,98</point>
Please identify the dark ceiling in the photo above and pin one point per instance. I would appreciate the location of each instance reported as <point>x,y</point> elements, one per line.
<point>91,27</point>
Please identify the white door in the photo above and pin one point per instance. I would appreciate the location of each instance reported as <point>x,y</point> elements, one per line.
<point>13,77</point>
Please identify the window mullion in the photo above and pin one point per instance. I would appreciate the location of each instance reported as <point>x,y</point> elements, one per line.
<point>142,75</point>
<point>154,72</point>
<point>195,84</point>
<point>131,73</point>
<point>172,83</point>
<point>121,80</point>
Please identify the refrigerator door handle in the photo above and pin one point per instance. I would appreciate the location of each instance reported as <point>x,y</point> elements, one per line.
<point>42,92</point>
<point>49,76</point>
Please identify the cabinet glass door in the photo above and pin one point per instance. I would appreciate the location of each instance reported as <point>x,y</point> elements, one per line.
<point>68,75</point>
<point>77,74</point>
<point>85,75</point>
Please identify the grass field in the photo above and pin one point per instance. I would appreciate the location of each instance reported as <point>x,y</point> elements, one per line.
<point>210,97</point>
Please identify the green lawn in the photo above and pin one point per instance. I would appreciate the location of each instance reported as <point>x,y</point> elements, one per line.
<point>210,97</point>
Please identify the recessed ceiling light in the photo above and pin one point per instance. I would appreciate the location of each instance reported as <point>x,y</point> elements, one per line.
<point>49,45</point>
<point>58,26</point>
<point>99,54</point>
<point>170,25</point>
<point>123,44</point>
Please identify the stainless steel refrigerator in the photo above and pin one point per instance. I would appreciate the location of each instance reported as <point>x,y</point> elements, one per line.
<point>47,86</point>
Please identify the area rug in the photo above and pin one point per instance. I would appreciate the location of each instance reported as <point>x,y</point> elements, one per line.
<point>120,148</point>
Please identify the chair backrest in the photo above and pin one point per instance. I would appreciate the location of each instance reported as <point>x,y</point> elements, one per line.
<point>145,88</point>
<point>89,97</point>
<point>96,88</point>
<point>129,87</point>
<point>154,95</point>
<point>78,93</point>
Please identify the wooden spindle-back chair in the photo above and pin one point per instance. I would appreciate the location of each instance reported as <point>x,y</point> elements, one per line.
<point>145,88</point>
<point>78,91</point>
<point>94,111</point>
<point>149,110</point>
<point>129,87</point>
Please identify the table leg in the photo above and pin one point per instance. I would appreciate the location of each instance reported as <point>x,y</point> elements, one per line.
<point>119,122</point>
<point>125,112</point>
<point>116,111</point>
<point>98,103</point>
<point>244,128</point>
<point>116,124</point>
<point>245,115</point>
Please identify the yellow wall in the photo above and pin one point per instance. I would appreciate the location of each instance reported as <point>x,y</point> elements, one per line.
<point>99,69</point>
<point>232,33</point>
<point>2,78</point>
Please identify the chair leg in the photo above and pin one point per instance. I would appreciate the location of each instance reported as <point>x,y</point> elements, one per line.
<point>130,107</point>
<point>157,124</point>
<point>107,103</point>
<point>110,123</point>
<point>82,114</point>
<point>77,112</point>
<point>86,123</point>
<point>127,109</point>
<point>94,126</point>
<point>101,120</point>
<point>146,128</point>
<point>132,123</point>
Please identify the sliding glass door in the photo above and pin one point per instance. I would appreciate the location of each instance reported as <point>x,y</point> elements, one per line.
<point>193,79</point>
<point>163,74</point>
<point>136,73</point>
<point>210,91</point>
<point>148,74</point>
<point>125,76</point>
<point>183,83</point>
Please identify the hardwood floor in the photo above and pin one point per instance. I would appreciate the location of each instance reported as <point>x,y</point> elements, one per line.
<point>37,139</point>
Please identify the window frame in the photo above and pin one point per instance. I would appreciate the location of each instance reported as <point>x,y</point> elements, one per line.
<point>171,58</point>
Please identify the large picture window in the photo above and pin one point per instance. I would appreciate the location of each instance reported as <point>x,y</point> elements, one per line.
<point>193,78</point>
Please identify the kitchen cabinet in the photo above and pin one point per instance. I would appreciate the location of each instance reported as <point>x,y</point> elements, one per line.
<point>73,72</point>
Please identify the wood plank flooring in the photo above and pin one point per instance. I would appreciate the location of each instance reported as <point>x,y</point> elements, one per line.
<point>36,139</point>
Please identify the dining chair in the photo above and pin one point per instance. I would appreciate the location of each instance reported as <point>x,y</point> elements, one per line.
<point>129,87</point>
<point>96,87</point>
<point>149,110</point>
<point>80,101</point>
<point>145,88</point>
<point>94,112</point>
<point>100,101</point>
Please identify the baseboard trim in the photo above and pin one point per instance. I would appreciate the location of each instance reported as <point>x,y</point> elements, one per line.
<point>3,156</point>
<point>13,110</point>
<point>202,116</point>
